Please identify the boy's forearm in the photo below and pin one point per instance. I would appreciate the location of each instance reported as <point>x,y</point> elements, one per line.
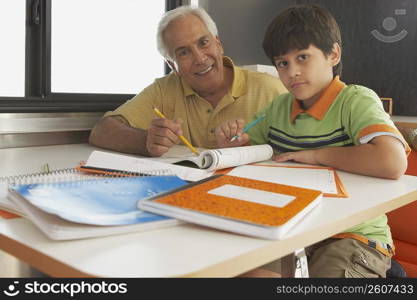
<point>383,159</point>
<point>114,134</point>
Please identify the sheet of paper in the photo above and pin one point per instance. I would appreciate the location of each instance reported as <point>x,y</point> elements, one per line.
<point>174,159</point>
<point>311,178</point>
<point>176,154</point>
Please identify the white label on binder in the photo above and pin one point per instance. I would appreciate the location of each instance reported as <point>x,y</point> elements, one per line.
<point>252,195</point>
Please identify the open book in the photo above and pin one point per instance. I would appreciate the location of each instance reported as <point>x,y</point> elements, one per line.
<point>207,161</point>
<point>215,159</point>
<point>241,205</point>
<point>101,162</point>
<point>89,208</point>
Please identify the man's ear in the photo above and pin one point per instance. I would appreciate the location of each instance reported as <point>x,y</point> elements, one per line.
<point>336,54</point>
<point>171,64</point>
<point>219,42</point>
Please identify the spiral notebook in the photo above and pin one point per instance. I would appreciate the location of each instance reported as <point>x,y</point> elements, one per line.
<point>86,207</point>
<point>67,174</point>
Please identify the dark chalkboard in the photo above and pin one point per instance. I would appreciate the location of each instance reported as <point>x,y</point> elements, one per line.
<point>385,60</point>
<point>380,47</point>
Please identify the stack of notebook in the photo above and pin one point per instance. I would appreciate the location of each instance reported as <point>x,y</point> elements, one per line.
<point>88,207</point>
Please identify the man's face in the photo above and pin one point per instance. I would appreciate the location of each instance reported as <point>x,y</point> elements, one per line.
<point>306,73</point>
<point>197,54</point>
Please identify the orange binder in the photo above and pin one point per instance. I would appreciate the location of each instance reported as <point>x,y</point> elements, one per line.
<point>104,172</point>
<point>198,204</point>
<point>8,215</point>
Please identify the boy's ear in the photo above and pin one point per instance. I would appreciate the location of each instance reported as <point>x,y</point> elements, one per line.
<point>336,54</point>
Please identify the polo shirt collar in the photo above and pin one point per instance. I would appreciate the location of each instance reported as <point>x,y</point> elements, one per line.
<point>319,109</point>
<point>239,86</point>
<point>188,91</point>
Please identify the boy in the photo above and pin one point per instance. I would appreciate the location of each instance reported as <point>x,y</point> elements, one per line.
<point>323,121</point>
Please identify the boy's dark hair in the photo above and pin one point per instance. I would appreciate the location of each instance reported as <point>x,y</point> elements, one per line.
<point>298,27</point>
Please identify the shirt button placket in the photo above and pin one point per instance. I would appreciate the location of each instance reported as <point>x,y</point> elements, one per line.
<point>210,122</point>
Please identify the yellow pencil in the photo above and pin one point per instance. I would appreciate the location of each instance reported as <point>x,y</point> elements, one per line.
<point>183,139</point>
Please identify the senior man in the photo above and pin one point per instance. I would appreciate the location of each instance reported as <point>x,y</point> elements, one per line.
<point>204,89</point>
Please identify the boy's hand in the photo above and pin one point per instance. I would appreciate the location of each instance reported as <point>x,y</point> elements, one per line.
<point>162,135</point>
<point>304,156</point>
<point>227,130</point>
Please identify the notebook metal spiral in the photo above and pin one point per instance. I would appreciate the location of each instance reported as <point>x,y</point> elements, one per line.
<point>72,174</point>
<point>38,176</point>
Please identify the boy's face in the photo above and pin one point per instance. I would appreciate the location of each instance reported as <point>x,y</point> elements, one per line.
<point>306,73</point>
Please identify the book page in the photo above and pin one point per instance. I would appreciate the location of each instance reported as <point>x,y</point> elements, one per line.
<point>215,159</point>
<point>230,157</point>
<point>179,159</point>
<point>119,162</point>
<point>311,178</point>
<point>178,153</point>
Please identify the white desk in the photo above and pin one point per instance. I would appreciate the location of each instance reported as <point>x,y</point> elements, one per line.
<point>185,250</point>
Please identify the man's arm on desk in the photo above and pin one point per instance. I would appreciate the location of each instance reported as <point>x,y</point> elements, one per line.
<point>115,133</point>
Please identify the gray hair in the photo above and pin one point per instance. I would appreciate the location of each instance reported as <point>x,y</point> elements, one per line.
<point>176,13</point>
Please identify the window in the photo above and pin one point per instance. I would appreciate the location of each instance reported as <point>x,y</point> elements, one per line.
<point>106,47</point>
<point>77,55</point>
<point>12,50</point>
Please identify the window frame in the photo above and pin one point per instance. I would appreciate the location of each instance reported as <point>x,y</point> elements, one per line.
<point>38,96</point>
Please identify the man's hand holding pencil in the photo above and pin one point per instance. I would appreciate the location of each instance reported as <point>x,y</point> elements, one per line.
<point>164,133</point>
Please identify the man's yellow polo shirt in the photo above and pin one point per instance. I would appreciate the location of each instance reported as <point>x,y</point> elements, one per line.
<point>250,92</point>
